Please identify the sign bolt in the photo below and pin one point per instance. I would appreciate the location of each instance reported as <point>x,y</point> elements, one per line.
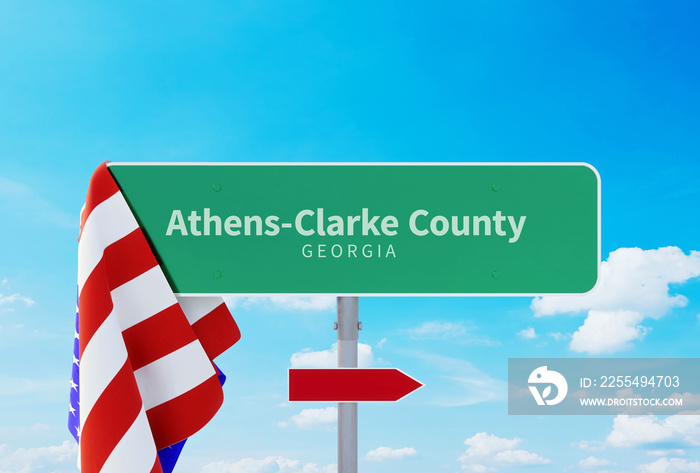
<point>216,187</point>
<point>495,274</point>
<point>217,274</point>
<point>496,187</point>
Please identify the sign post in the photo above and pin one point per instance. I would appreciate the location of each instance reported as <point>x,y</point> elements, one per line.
<point>347,328</point>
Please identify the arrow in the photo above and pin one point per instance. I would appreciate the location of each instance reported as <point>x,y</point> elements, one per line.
<point>350,385</point>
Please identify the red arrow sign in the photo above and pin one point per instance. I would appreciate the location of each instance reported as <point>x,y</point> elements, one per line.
<point>350,385</point>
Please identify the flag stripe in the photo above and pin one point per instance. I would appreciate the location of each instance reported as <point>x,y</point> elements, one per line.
<point>156,382</point>
<point>99,363</point>
<point>132,454</point>
<point>102,186</point>
<point>217,331</point>
<point>200,404</point>
<point>143,296</point>
<point>94,300</point>
<point>110,221</point>
<point>127,258</point>
<point>118,406</point>
<point>197,307</point>
<point>144,348</point>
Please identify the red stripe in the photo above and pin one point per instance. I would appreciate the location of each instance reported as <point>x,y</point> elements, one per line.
<point>121,262</point>
<point>95,304</point>
<point>217,331</point>
<point>157,336</point>
<point>183,416</point>
<point>117,407</point>
<point>102,187</point>
<point>156,466</point>
<point>128,258</point>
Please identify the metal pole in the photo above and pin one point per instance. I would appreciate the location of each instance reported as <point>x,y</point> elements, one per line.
<point>347,326</point>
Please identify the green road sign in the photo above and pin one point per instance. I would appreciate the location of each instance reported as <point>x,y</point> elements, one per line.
<point>369,229</point>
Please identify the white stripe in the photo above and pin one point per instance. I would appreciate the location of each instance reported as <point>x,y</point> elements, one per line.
<point>102,359</point>
<point>108,222</point>
<point>136,450</point>
<point>197,307</point>
<point>142,297</point>
<point>173,374</point>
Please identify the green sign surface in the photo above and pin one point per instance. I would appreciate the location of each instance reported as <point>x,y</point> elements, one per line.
<point>369,229</point>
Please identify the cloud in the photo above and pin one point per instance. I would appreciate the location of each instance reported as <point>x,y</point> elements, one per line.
<point>592,446</point>
<point>634,285</point>
<point>593,462</point>
<point>670,465</point>
<point>386,453</point>
<point>487,453</point>
<point>314,419</point>
<point>307,358</point>
<point>26,460</point>
<point>9,300</point>
<point>677,452</point>
<point>458,382</point>
<point>631,279</point>
<point>435,330</point>
<point>26,203</point>
<point>381,343</point>
<point>608,331</point>
<point>285,303</point>
<point>527,334</point>
<point>270,464</point>
<point>636,431</point>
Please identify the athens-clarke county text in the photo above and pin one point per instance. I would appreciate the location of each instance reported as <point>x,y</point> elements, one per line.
<point>308,222</point>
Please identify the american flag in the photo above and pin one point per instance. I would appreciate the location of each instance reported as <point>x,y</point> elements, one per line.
<point>143,378</point>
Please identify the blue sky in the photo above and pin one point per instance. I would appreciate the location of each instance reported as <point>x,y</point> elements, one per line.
<point>614,85</point>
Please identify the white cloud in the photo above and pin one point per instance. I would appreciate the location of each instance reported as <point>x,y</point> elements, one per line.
<point>459,383</point>
<point>26,460</point>
<point>314,419</point>
<point>9,300</point>
<point>593,462</point>
<point>631,279</point>
<point>634,285</point>
<point>591,446</point>
<point>386,453</point>
<point>676,452</point>
<point>435,330</point>
<point>270,464</point>
<point>307,358</point>
<point>608,331</point>
<point>26,203</point>
<point>285,303</point>
<point>527,334</point>
<point>558,336</point>
<point>670,465</point>
<point>635,431</point>
<point>381,343</point>
<point>487,452</point>
<point>689,399</point>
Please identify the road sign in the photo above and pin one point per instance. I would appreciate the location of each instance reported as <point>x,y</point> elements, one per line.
<point>350,385</point>
<point>369,229</point>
